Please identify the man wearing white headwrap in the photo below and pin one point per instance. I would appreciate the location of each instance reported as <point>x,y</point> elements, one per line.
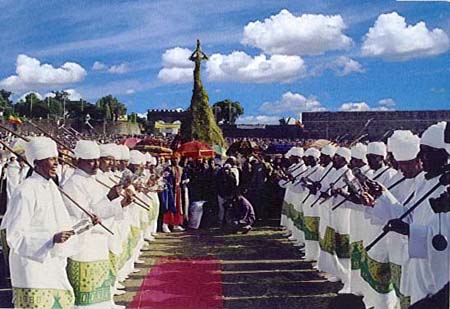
<point>311,217</point>
<point>40,234</point>
<point>296,212</point>
<point>89,270</point>
<point>428,268</point>
<point>381,275</point>
<point>358,221</point>
<point>108,153</point>
<point>376,288</point>
<point>287,211</point>
<point>333,229</point>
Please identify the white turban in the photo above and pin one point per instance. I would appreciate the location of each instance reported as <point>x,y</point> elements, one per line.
<point>345,153</point>
<point>288,153</point>
<point>108,150</point>
<point>148,157</point>
<point>359,151</point>
<point>297,151</point>
<point>117,152</point>
<point>39,148</point>
<point>312,152</point>
<point>124,153</point>
<point>153,161</point>
<point>87,150</point>
<point>137,157</point>
<point>377,148</point>
<point>329,150</point>
<point>433,136</point>
<point>404,145</point>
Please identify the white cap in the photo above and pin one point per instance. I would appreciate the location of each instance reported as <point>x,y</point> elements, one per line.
<point>108,150</point>
<point>148,157</point>
<point>377,148</point>
<point>329,150</point>
<point>345,153</point>
<point>137,157</point>
<point>297,151</point>
<point>288,153</point>
<point>153,161</point>
<point>124,153</point>
<point>433,136</point>
<point>404,145</point>
<point>117,152</point>
<point>87,150</point>
<point>39,148</point>
<point>312,152</point>
<point>359,151</point>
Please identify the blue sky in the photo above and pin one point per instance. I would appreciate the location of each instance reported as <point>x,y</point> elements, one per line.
<point>278,58</point>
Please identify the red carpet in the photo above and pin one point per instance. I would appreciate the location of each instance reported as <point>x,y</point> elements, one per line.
<point>181,283</point>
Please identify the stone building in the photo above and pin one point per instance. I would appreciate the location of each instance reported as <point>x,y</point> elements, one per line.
<point>331,125</point>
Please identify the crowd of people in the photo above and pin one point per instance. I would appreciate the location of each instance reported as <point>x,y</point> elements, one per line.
<point>78,217</point>
<point>376,216</point>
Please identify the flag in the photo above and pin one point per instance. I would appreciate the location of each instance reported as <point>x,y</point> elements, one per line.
<point>14,120</point>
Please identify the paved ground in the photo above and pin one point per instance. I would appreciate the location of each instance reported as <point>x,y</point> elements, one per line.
<point>259,270</point>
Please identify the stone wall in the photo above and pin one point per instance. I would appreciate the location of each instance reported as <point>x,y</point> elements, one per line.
<point>166,115</point>
<point>330,125</point>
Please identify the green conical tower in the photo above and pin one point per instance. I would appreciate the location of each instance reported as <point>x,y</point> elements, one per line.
<point>202,125</point>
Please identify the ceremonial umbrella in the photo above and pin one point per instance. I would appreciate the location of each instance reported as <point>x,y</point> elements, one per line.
<point>196,150</point>
<point>151,141</point>
<point>130,142</point>
<point>243,147</point>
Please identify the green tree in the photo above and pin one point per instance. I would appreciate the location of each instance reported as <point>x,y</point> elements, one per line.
<point>31,106</point>
<point>5,102</point>
<point>201,124</point>
<point>227,111</point>
<point>111,107</point>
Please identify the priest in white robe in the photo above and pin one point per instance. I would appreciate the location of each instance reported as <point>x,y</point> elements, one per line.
<point>40,234</point>
<point>89,270</point>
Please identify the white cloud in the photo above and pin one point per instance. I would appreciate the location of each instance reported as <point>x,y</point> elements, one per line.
<point>393,39</point>
<point>114,69</point>
<point>307,34</point>
<point>291,104</point>
<point>32,74</point>
<point>364,107</point>
<point>177,57</point>
<point>239,66</point>
<point>344,65</point>
<point>119,68</point>
<point>259,119</point>
<point>175,75</point>
<point>99,66</point>
<point>177,68</point>
<point>130,91</point>
<point>74,95</point>
<point>389,102</point>
<point>355,107</point>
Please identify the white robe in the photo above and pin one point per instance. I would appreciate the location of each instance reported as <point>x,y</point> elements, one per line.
<point>428,268</point>
<point>36,213</point>
<point>12,177</point>
<point>85,190</point>
<point>329,221</point>
<point>311,214</point>
<point>378,253</point>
